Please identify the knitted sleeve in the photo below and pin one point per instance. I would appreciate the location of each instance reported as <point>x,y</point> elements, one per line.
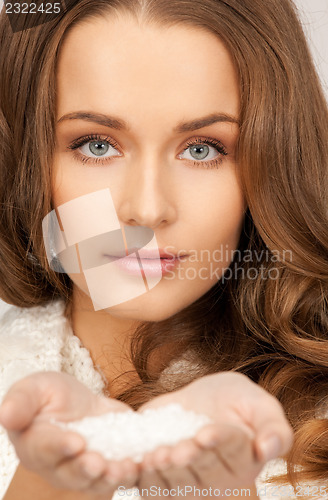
<point>30,341</point>
<point>38,339</point>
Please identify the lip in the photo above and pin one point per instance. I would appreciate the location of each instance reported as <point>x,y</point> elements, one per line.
<point>150,266</point>
<point>153,254</point>
<point>149,254</point>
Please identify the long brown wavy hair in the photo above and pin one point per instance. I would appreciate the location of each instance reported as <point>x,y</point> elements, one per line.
<point>275,331</point>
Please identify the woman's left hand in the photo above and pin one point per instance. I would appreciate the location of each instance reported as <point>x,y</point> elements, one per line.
<point>244,415</point>
<point>189,467</point>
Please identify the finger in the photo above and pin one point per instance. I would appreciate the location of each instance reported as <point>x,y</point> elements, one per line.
<point>150,478</point>
<point>118,473</point>
<point>181,476</point>
<point>94,475</point>
<point>269,420</point>
<point>27,397</point>
<point>104,485</point>
<point>170,462</point>
<point>179,454</point>
<point>184,452</point>
<point>80,472</point>
<point>271,444</point>
<point>125,470</point>
<point>202,460</point>
<point>275,435</point>
<point>236,451</point>
<point>210,469</point>
<point>58,394</point>
<point>19,407</point>
<point>157,459</point>
<point>211,433</point>
<point>43,446</point>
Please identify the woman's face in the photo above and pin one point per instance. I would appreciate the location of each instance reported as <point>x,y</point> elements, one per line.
<point>171,167</point>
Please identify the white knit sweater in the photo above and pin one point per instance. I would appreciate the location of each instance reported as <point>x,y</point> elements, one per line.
<point>41,339</point>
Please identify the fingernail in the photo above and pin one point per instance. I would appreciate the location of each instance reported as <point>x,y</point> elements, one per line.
<point>131,479</point>
<point>212,443</point>
<point>111,481</point>
<point>270,447</point>
<point>72,447</point>
<point>91,471</point>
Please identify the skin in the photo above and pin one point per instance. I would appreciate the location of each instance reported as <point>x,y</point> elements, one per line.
<point>243,415</point>
<point>147,77</point>
<point>188,207</point>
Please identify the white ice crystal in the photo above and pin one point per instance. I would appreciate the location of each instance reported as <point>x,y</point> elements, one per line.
<point>117,435</point>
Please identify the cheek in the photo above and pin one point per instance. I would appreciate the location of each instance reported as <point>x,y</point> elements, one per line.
<point>229,226</point>
<point>216,215</point>
<point>65,185</point>
<point>231,215</point>
<point>59,185</point>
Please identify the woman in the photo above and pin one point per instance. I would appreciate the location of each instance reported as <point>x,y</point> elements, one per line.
<point>263,311</point>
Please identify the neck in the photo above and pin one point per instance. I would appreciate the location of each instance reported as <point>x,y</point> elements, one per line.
<point>108,340</point>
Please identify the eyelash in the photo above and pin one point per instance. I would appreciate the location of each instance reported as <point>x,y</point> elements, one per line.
<point>75,145</point>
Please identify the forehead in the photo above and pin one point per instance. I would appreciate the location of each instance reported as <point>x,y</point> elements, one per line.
<point>118,66</point>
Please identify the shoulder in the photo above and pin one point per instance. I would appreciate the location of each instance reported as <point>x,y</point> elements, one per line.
<point>41,339</point>
<point>30,340</point>
<point>22,320</point>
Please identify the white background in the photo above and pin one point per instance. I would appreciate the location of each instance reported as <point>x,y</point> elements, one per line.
<point>314,15</point>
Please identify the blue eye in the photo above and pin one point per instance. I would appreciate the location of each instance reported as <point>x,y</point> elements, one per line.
<point>98,148</point>
<point>93,148</point>
<point>201,152</point>
<point>205,152</point>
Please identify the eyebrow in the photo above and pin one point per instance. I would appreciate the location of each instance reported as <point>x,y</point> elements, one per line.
<point>118,124</point>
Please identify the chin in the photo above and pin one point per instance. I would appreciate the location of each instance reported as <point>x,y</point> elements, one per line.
<point>147,312</point>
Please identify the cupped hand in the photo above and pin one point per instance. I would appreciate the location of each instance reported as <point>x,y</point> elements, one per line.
<point>244,416</point>
<point>250,428</point>
<point>60,456</point>
<point>225,464</point>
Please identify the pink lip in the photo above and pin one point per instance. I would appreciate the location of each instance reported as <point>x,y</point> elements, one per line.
<point>153,254</point>
<point>152,267</point>
<point>150,254</point>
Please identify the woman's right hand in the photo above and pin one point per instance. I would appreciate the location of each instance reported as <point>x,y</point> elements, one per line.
<point>59,456</point>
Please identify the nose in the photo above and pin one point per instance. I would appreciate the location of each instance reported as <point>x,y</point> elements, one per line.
<point>147,194</point>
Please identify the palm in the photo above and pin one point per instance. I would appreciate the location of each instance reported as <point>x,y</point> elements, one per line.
<point>231,461</point>
<point>237,407</point>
